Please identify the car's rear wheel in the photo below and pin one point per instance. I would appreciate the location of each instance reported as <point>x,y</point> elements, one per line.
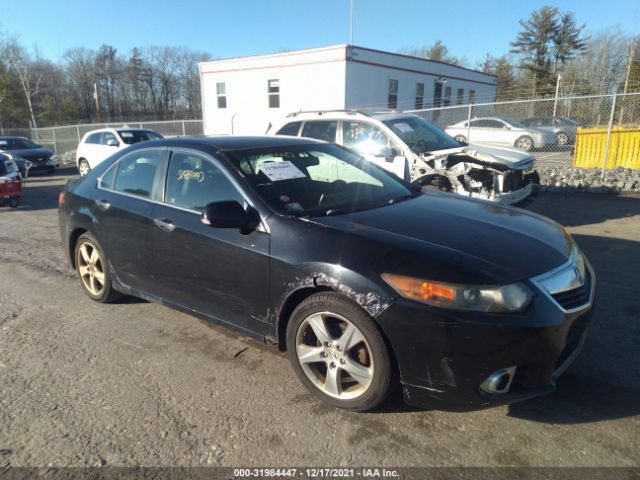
<point>83,167</point>
<point>524,142</point>
<point>338,352</point>
<point>93,270</point>
<point>563,138</point>
<point>461,138</point>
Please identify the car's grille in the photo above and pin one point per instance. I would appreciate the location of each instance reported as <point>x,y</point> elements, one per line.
<point>577,297</point>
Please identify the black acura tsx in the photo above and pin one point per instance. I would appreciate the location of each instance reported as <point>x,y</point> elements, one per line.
<point>365,281</point>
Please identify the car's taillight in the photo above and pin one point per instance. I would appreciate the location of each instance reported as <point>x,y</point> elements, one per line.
<point>61,199</point>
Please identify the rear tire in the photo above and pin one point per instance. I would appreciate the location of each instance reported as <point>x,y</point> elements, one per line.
<point>14,202</point>
<point>338,352</point>
<point>461,138</point>
<point>563,138</point>
<point>93,270</point>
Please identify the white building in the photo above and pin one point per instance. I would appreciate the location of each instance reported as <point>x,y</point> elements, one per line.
<point>244,95</point>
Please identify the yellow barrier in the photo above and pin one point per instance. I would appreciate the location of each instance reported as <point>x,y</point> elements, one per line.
<point>624,148</point>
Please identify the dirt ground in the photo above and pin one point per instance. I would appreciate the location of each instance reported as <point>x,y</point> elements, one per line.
<point>139,384</point>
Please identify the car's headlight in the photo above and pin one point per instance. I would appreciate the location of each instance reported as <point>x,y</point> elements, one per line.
<point>477,298</point>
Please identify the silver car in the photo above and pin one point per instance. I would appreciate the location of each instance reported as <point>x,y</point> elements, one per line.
<point>502,131</point>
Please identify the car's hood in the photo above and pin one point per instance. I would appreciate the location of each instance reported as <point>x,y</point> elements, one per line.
<point>511,157</point>
<point>444,237</point>
<point>32,153</point>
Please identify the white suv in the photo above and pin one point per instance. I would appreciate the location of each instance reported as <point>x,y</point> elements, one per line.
<point>97,145</point>
<point>419,151</point>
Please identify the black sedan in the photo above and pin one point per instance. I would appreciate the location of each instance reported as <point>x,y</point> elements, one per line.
<point>363,279</point>
<point>42,159</point>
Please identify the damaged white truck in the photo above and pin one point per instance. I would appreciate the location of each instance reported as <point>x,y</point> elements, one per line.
<point>420,152</point>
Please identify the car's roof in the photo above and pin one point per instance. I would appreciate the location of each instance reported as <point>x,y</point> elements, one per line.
<point>12,137</point>
<point>235,142</point>
<point>119,129</point>
<point>319,115</point>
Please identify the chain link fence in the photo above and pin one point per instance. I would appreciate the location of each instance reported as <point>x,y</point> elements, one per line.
<point>561,132</point>
<point>65,139</point>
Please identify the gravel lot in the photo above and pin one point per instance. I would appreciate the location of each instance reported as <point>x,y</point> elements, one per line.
<point>83,384</point>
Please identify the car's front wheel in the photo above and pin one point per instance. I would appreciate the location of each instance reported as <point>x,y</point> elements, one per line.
<point>339,353</point>
<point>525,143</point>
<point>93,270</point>
<point>83,167</point>
<point>461,139</point>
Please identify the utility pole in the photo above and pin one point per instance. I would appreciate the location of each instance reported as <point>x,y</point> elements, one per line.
<point>632,52</point>
<point>555,101</point>
<point>350,22</point>
<point>95,97</point>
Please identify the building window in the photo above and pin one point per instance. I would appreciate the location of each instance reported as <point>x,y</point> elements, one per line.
<point>221,91</point>
<point>419,95</point>
<point>273,87</point>
<point>447,96</point>
<point>460,96</point>
<point>472,96</point>
<point>393,94</point>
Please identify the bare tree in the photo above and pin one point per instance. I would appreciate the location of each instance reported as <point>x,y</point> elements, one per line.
<point>20,63</point>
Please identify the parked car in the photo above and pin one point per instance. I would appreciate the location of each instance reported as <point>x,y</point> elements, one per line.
<point>10,182</point>
<point>97,145</point>
<point>360,276</point>
<point>419,151</point>
<point>563,128</point>
<point>502,131</point>
<point>42,159</point>
<point>21,164</point>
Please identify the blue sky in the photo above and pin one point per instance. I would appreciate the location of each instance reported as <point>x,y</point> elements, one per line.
<point>246,27</point>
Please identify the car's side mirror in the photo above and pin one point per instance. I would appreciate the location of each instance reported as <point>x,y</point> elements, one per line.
<point>227,214</point>
<point>112,143</point>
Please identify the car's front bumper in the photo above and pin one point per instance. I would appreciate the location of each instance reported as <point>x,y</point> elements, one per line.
<point>514,196</point>
<point>445,357</point>
<point>48,164</point>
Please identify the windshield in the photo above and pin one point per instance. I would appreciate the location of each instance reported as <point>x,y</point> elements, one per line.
<point>319,180</point>
<point>420,135</point>
<point>134,136</point>
<point>16,144</point>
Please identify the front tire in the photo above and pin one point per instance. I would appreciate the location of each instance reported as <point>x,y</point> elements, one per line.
<point>525,143</point>
<point>93,270</point>
<point>461,138</point>
<point>338,352</point>
<point>83,167</point>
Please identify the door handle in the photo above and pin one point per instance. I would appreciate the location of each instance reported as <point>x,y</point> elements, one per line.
<point>102,204</point>
<point>164,224</point>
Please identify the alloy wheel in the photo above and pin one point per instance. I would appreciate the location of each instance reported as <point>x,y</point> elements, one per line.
<point>563,138</point>
<point>334,355</point>
<point>83,168</point>
<point>525,143</point>
<point>91,269</point>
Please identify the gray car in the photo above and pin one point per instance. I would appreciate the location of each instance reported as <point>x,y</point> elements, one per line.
<point>563,128</point>
<point>502,131</point>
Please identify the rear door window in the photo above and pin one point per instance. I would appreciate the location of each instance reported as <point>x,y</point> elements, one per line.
<point>321,130</point>
<point>135,173</point>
